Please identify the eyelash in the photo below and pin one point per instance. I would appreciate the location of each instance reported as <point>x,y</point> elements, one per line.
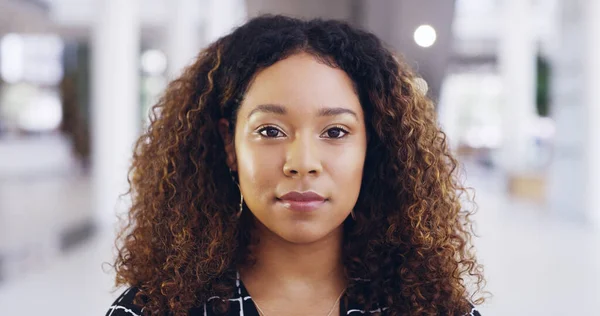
<point>265,128</point>
<point>340,128</point>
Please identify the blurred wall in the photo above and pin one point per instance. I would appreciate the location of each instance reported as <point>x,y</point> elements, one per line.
<point>395,22</point>
<point>392,21</point>
<point>331,9</point>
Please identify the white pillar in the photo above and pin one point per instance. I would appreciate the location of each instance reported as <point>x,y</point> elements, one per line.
<point>516,60</point>
<point>115,103</point>
<point>184,35</point>
<point>592,105</point>
<point>575,176</point>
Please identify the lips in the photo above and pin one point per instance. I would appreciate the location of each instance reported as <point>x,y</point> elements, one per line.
<point>302,201</point>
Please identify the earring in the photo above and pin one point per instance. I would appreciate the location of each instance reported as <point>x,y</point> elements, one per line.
<point>239,213</point>
<point>353,215</point>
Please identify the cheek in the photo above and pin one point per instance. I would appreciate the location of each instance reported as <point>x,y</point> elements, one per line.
<point>347,169</point>
<point>259,169</point>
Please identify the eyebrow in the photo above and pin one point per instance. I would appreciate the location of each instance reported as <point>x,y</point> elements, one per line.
<point>268,108</point>
<point>281,110</point>
<point>336,111</point>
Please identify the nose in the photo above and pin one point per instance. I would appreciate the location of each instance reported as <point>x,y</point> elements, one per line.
<point>302,158</point>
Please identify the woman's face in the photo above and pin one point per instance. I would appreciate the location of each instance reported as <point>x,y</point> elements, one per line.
<point>300,145</point>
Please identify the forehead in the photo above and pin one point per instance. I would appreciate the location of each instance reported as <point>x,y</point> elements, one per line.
<point>302,81</point>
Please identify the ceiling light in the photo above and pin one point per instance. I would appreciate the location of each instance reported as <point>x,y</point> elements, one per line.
<point>425,35</point>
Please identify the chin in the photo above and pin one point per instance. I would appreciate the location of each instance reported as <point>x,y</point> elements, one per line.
<point>303,235</point>
<point>300,239</point>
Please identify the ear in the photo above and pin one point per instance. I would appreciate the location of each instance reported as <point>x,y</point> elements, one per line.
<point>228,137</point>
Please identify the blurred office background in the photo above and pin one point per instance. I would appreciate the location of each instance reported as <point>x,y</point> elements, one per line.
<point>517,87</point>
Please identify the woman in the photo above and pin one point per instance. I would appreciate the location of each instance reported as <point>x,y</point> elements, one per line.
<point>295,169</point>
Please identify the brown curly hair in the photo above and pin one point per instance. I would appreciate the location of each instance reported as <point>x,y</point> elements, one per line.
<point>411,238</point>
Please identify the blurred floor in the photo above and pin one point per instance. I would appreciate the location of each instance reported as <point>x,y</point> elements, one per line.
<point>535,263</point>
<point>76,284</point>
<point>44,202</point>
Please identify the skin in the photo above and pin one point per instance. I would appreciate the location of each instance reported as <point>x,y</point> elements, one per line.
<point>300,128</point>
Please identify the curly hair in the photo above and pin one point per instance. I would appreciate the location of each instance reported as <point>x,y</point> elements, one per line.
<point>411,238</point>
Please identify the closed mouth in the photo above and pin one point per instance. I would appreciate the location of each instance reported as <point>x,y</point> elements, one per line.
<point>295,196</point>
<point>305,202</point>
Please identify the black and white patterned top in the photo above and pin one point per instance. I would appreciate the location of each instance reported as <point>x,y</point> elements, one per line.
<point>241,305</point>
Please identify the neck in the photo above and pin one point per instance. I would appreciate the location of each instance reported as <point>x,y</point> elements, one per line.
<point>291,268</point>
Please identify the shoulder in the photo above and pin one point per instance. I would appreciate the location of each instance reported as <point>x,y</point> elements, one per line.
<point>358,311</point>
<point>473,312</point>
<point>124,306</point>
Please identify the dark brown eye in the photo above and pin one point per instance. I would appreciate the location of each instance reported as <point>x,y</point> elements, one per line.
<point>336,132</point>
<point>270,132</point>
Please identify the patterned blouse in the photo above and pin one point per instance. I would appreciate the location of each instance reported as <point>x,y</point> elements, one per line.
<point>241,305</point>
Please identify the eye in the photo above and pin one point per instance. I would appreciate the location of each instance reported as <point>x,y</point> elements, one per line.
<point>335,132</point>
<point>270,132</point>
